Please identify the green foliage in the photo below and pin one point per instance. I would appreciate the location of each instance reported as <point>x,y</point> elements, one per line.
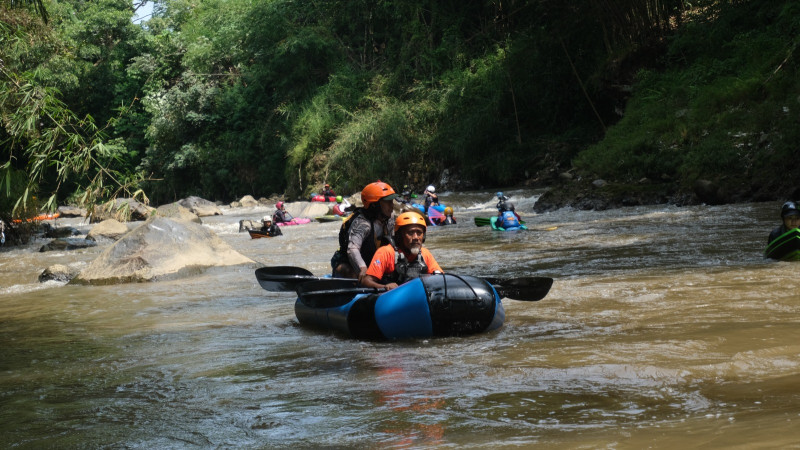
<point>721,108</point>
<point>46,145</point>
<point>225,98</point>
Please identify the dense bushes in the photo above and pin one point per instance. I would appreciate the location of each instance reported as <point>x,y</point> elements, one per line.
<point>722,108</point>
<point>225,98</point>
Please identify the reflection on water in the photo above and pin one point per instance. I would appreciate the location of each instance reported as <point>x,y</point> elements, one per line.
<point>665,327</point>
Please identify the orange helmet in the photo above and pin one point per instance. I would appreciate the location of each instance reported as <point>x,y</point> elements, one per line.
<point>409,218</point>
<point>448,211</point>
<point>375,192</point>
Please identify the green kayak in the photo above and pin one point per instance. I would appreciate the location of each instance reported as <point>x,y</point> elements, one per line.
<point>786,247</point>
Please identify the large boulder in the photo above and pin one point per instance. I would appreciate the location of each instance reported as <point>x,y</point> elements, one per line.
<point>307,209</point>
<point>248,201</point>
<point>159,249</point>
<point>107,230</point>
<point>71,211</point>
<point>121,209</point>
<point>177,212</point>
<point>200,207</point>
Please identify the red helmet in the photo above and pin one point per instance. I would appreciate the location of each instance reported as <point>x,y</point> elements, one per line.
<point>375,192</point>
<point>279,205</point>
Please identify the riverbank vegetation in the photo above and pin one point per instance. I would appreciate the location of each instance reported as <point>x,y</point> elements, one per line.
<point>222,98</point>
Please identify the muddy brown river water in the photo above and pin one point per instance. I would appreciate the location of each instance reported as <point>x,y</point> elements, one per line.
<point>665,328</point>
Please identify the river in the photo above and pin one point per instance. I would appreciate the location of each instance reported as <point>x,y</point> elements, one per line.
<point>665,328</point>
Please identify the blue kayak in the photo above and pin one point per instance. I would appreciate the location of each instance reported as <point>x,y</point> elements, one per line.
<point>421,207</point>
<point>434,305</point>
<point>493,220</point>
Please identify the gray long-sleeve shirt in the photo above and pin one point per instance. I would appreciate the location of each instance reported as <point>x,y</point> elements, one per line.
<point>359,231</point>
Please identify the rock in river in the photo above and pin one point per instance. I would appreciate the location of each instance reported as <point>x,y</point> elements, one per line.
<point>161,248</point>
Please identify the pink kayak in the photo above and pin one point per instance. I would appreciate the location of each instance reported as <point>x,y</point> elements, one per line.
<point>295,221</point>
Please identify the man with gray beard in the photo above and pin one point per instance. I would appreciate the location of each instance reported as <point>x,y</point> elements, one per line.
<point>405,258</point>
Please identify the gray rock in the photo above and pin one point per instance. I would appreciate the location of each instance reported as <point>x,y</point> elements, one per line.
<point>67,244</point>
<point>200,207</point>
<point>709,192</point>
<point>109,229</point>
<point>121,209</point>
<point>159,249</point>
<point>248,201</point>
<point>177,212</point>
<point>60,232</point>
<point>246,224</point>
<point>71,211</point>
<point>57,272</point>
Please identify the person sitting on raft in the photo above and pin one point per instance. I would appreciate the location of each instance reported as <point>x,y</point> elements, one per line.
<point>790,216</point>
<point>281,215</point>
<point>448,216</point>
<point>342,206</point>
<point>327,192</point>
<point>269,228</point>
<point>430,198</point>
<point>508,217</point>
<point>363,230</point>
<point>403,259</point>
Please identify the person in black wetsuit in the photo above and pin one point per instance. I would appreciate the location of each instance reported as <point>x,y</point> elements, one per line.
<point>361,234</point>
<point>269,228</point>
<point>790,216</point>
<point>281,215</point>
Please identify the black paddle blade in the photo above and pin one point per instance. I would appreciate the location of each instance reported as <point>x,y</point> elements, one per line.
<point>526,289</point>
<point>333,292</point>
<point>283,278</point>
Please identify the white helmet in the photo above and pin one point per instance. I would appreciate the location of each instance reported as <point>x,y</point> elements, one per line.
<point>431,189</point>
<point>267,219</point>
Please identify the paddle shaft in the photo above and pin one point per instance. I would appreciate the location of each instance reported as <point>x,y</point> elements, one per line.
<point>289,278</point>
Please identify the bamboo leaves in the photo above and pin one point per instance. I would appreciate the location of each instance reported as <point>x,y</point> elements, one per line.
<point>47,140</point>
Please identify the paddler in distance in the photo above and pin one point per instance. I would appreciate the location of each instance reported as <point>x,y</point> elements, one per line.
<point>790,216</point>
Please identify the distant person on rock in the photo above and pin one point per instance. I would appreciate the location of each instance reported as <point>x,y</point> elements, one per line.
<point>790,216</point>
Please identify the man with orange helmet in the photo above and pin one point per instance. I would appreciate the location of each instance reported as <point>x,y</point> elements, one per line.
<point>327,192</point>
<point>403,259</point>
<point>362,233</point>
